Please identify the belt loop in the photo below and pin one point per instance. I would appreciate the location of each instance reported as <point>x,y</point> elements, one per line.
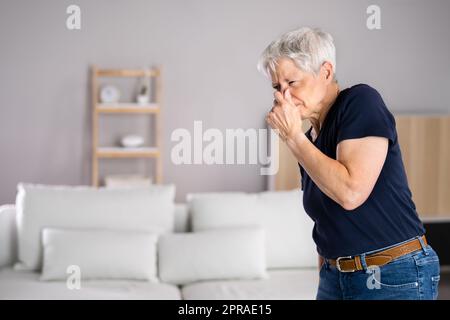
<point>424,247</point>
<point>363,261</point>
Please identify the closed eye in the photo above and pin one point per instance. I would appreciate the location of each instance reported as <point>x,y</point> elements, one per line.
<point>290,83</point>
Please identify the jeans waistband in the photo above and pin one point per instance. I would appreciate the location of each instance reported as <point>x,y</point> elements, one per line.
<point>394,245</point>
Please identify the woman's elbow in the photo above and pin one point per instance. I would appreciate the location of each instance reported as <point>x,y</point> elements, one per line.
<point>352,200</point>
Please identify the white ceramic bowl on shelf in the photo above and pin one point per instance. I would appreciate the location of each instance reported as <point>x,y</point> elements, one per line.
<point>132,141</point>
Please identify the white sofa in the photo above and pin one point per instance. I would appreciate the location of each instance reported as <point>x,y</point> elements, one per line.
<point>289,272</point>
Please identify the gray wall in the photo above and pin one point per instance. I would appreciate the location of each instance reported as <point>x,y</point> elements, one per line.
<point>209,50</point>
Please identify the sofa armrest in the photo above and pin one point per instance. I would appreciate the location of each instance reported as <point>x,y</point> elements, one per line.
<point>8,235</point>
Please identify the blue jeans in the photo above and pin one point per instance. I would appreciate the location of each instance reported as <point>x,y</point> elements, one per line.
<point>414,276</point>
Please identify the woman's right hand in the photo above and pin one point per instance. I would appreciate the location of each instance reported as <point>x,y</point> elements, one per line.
<point>321,261</point>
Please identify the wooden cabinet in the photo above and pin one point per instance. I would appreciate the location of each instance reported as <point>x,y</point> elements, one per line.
<point>425,145</point>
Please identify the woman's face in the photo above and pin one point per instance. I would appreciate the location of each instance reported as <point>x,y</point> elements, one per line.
<point>307,90</point>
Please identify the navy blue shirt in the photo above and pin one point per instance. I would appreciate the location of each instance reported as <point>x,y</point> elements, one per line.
<point>389,215</point>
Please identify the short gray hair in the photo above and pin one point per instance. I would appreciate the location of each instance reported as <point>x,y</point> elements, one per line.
<point>308,48</point>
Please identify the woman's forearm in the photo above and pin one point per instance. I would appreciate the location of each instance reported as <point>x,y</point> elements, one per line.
<point>331,176</point>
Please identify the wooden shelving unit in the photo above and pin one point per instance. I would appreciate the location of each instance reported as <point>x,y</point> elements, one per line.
<point>99,109</point>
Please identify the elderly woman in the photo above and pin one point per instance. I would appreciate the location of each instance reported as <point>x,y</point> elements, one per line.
<point>369,237</point>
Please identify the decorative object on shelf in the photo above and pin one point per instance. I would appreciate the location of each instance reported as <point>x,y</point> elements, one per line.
<point>109,94</point>
<point>132,141</point>
<point>127,180</point>
<point>143,96</point>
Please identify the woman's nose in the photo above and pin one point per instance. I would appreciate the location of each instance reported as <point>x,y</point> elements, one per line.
<point>283,89</point>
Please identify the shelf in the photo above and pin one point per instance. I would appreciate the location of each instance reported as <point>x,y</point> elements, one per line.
<point>126,73</point>
<point>117,152</point>
<point>127,108</point>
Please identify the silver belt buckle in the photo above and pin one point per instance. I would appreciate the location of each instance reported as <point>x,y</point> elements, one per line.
<point>338,266</point>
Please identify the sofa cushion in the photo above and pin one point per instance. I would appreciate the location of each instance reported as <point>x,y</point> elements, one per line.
<point>26,285</point>
<point>289,242</point>
<point>227,253</point>
<point>181,218</point>
<point>39,206</point>
<point>99,254</point>
<point>8,235</point>
<point>282,284</point>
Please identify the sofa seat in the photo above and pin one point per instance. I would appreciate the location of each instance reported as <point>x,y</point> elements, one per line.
<point>282,284</point>
<point>26,285</point>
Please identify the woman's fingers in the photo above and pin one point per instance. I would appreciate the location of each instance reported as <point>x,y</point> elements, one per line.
<point>277,116</point>
<point>279,97</point>
<point>284,116</point>
<point>276,108</point>
<point>277,121</point>
<point>272,123</point>
<point>283,99</point>
<point>288,97</point>
<point>271,120</point>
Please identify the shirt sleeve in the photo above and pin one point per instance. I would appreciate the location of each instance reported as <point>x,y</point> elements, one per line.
<point>364,115</point>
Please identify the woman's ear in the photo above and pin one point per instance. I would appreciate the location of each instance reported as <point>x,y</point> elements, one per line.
<point>328,71</point>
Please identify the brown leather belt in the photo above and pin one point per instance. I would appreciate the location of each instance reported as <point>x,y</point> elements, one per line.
<point>351,264</point>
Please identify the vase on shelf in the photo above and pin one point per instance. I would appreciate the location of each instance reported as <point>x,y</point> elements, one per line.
<point>143,96</point>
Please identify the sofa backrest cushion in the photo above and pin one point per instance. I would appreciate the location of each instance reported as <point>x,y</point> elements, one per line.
<point>39,206</point>
<point>181,218</point>
<point>289,242</point>
<point>220,254</point>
